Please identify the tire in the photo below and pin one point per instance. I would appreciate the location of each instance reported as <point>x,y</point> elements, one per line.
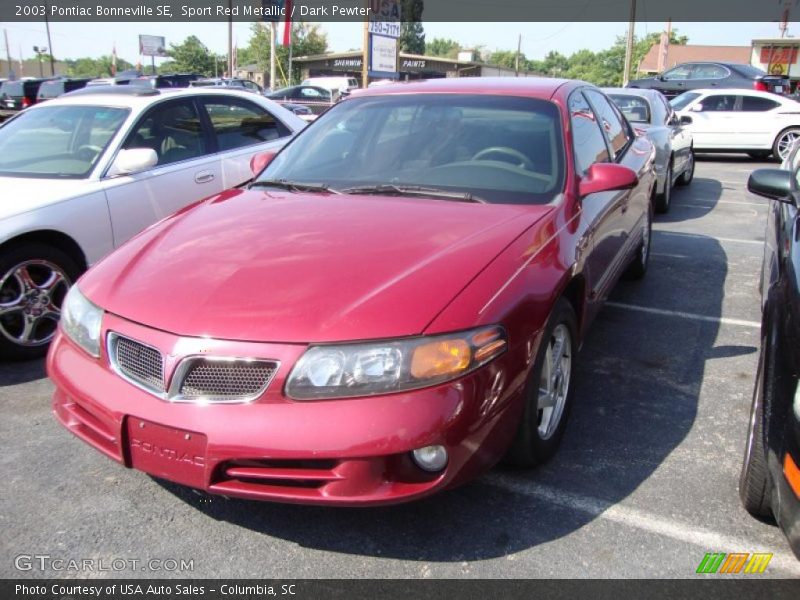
<point>663,199</point>
<point>783,142</point>
<point>34,278</point>
<point>759,154</point>
<point>754,482</point>
<point>547,407</point>
<point>638,267</point>
<point>688,173</point>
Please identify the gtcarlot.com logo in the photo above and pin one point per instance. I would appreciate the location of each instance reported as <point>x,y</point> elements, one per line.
<point>736,562</point>
<point>46,562</point>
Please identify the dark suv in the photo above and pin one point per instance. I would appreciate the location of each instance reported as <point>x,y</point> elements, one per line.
<point>52,88</point>
<point>703,75</point>
<point>18,94</point>
<point>172,80</point>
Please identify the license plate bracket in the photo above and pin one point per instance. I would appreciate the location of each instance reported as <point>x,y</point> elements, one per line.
<point>174,454</point>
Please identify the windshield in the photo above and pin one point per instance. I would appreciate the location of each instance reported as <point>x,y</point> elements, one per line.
<point>499,148</point>
<point>684,100</point>
<point>635,108</point>
<point>57,141</point>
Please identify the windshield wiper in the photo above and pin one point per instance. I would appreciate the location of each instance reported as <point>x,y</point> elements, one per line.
<point>413,190</point>
<point>294,186</point>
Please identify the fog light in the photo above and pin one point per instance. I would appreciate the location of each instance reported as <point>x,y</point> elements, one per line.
<point>430,458</point>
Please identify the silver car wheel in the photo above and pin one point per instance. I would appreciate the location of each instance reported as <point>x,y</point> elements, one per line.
<point>554,381</point>
<point>30,302</point>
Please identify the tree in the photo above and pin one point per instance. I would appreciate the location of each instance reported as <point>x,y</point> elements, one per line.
<point>442,47</point>
<point>95,67</point>
<point>412,34</point>
<point>307,39</point>
<point>507,58</point>
<point>191,56</point>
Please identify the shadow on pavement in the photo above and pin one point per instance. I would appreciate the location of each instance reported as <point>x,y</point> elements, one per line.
<point>14,373</point>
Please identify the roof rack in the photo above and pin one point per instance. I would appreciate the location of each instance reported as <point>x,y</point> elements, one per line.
<point>116,90</point>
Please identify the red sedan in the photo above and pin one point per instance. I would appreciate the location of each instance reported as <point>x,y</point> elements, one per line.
<point>393,305</point>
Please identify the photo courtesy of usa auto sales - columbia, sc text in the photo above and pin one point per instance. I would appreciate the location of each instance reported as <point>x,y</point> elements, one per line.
<point>125,589</point>
<point>186,10</point>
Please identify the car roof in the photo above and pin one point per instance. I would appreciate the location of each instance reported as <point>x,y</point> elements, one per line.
<point>739,92</point>
<point>533,87</point>
<point>136,97</point>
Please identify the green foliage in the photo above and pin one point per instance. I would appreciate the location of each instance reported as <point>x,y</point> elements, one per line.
<point>191,56</point>
<point>442,47</point>
<point>506,58</point>
<point>307,39</point>
<point>95,67</point>
<point>604,68</point>
<point>412,34</point>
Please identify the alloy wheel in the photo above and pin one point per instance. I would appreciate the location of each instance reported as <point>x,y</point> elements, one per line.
<point>554,382</point>
<point>785,142</point>
<point>31,293</point>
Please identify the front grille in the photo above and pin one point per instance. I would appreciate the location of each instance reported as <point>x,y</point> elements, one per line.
<point>225,380</point>
<point>139,362</point>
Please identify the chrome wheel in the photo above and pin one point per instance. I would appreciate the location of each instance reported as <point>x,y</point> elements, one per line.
<point>785,141</point>
<point>31,293</point>
<point>554,381</point>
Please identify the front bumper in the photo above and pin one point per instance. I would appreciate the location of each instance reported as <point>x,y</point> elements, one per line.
<point>348,452</point>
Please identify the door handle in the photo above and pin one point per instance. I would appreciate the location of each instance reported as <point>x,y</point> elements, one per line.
<point>204,177</point>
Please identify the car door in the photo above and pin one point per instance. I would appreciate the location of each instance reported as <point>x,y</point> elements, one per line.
<point>240,129</point>
<point>714,122</point>
<point>603,213</point>
<point>675,81</point>
<point>758,120</point>
<point>680,137</point>
<point>186,171</point>
<point>708,75</point>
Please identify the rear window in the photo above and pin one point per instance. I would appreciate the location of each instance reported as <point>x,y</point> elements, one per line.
<point>51,89</point>
<point>11,88</point>
<point>750,71</point>
<point>635,109</point>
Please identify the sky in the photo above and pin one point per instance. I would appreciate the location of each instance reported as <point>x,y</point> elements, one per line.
<point>75,40</point>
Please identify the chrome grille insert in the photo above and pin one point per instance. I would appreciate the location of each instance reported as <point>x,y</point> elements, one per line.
<point>139,363</point>
<point>222,380</point>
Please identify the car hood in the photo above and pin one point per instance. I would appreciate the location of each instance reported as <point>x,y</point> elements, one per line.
<point>20,195</point>
<point>293,267</point>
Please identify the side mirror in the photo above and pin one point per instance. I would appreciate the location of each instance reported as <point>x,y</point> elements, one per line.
<point>686,120</point>
<point>775,184</point>
<point>697,107</point>
<point>661,77</point>
<point>133,160</point>
<point>605,177</point>
<point>260,161</point>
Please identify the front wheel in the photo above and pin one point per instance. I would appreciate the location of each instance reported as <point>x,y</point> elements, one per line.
<point>34,278</point>
<point>548,393</point>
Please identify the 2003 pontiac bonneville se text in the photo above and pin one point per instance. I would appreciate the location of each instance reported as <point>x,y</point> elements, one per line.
<point>392,306</point>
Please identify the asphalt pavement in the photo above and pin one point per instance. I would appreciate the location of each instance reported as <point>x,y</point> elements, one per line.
<point>644,485</point>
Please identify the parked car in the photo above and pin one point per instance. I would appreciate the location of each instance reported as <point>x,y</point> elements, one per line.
<point>769,485</point>
<point>306,93</point>
<point>758,123</point>
<point>394,303</point>
<point>169,80</point>
<point>53,88</point>
<point>121,78</point>
<point>18,95</point>
<point>651,115</point>
<point>334,84</point>
<point>702,75</point>
<point>300,110</point>
<point>88,170</point>
<point>242,84</point>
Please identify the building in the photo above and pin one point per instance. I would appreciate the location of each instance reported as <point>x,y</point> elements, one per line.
<point>412,66</point>
<point>678,54</point>
<point>252,73</point>
<point>777,56</point>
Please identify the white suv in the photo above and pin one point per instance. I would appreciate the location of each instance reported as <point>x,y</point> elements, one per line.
<point>83,173</point>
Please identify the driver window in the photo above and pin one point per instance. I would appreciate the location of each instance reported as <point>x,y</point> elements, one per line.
<point>719,103</point>
<point>678,73</point>
<point>173,130</point>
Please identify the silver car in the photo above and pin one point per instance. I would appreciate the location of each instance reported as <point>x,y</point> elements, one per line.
<point>650,114</point>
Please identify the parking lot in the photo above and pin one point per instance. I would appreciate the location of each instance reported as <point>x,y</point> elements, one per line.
<point>644,484</point>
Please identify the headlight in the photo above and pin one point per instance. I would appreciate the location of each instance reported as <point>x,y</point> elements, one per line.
<point>80,320</point>
<point>350,370</point>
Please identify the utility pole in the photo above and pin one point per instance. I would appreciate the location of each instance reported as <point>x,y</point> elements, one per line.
<point>273,28</point>
<point>8,56</point>
<point>365,55</point>
<point>49,42</point>
<point>516,58</point>
<point>629,45</point>
<point>230,38</point>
